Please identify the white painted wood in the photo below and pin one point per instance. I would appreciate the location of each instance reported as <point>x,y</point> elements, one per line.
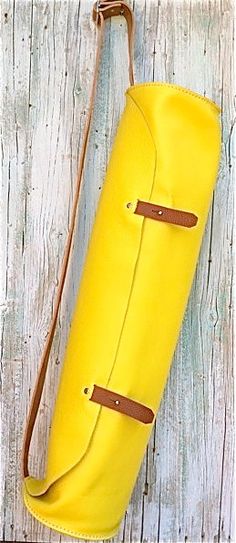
<point>184,489</point>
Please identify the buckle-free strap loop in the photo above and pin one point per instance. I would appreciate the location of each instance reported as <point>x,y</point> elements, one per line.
<point>166,214</point>
<point>100,12</point>
<point>122,404</point>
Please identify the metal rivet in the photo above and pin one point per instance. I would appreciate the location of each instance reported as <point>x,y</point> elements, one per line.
<point>86,390</point>
<point>129,204</point>
<point>117,402</point>
<point>160,212</point>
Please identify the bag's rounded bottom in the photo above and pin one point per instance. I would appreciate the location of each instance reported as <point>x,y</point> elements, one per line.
<point>63,529</point>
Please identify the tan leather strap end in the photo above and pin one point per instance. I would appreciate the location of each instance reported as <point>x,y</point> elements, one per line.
<point>122,404</point>
<point>111,8</point>
<point>166,214</point>
<point>108,8</point>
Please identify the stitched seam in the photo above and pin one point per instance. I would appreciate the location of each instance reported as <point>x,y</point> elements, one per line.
<point>140,242</point>
<point>176,87</point>
<point>71,532</point>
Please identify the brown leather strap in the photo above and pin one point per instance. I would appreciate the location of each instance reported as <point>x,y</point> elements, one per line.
<point>100,13</point>
<point>166,214</point>
<point>120,403</point>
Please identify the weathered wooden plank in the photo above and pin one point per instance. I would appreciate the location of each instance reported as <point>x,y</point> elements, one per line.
<point>184,489</point>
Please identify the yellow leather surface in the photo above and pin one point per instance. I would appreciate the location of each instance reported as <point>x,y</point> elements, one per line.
<point>130,305</point>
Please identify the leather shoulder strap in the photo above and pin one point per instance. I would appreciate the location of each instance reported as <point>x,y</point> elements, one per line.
<point>101,11</point>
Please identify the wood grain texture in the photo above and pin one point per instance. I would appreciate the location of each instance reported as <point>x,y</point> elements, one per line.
<point>185,486</point>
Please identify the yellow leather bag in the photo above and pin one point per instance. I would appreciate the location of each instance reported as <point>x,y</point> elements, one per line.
<point>134,289</point>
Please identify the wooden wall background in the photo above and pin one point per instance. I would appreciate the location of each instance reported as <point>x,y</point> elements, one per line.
<point>184,489</point>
